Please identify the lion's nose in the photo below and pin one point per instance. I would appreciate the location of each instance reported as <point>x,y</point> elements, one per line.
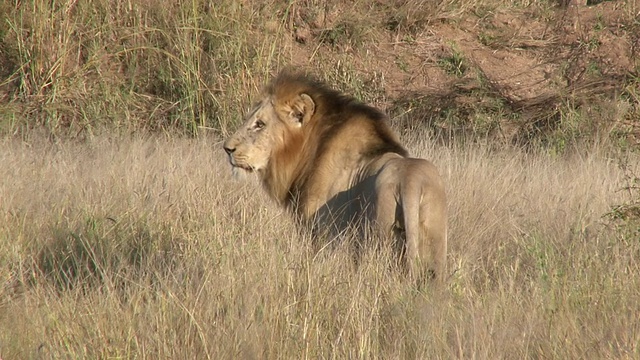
<point>229,149</point>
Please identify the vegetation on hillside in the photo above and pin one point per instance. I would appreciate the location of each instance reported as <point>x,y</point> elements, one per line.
<point>511,72</point>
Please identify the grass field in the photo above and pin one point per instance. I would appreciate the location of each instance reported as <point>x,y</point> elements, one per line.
<point>124,236</point>
<point>144,247</point>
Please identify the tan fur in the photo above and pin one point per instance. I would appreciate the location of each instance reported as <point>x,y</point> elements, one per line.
<point>335,162</point>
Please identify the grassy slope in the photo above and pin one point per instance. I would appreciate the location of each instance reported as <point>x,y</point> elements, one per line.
<point>146,247</point>
<point>511,71</point>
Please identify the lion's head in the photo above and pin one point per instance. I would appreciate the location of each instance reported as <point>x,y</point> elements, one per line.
<point>274,133</point>
<point>251,147</point>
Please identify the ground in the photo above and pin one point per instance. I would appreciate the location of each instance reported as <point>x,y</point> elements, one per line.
<point>529,60</point>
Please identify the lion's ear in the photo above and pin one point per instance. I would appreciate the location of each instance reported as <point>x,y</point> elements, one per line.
<point>302,109</point>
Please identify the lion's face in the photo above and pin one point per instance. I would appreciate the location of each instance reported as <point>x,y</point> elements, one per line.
<point>250,147</point>
<point>266,131</point>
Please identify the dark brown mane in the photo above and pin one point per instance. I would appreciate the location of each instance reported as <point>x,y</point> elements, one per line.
<point>334,108</point>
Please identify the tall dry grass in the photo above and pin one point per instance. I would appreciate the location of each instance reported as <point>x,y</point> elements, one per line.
<point>76,67</point>
<point>146,248</point>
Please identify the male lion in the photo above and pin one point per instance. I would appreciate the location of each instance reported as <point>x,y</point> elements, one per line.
<point>334,161</point>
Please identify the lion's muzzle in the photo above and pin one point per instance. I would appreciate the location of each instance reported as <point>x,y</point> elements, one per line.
<point>230,149</point>
<point>231,152</point>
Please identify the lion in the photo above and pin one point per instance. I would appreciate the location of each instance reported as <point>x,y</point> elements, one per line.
<point>334,161</point>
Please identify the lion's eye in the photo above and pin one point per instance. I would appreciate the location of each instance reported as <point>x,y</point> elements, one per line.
<point>259,125</point>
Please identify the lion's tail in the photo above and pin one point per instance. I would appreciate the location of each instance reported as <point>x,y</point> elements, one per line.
<point>425,237</point>
<point>412,227</point>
